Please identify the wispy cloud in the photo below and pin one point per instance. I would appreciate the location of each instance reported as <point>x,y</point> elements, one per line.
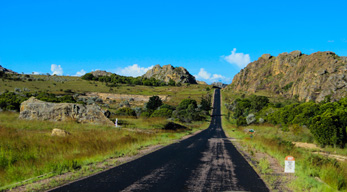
<point>56,69</point>
<point>331,41</point>
<point>239,59</point>
<point>203,75</point>
<point>35,73</point>
<point>80,73</point>
<point>133,70</point>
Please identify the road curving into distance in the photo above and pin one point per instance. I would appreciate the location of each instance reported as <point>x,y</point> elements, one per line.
<point>207,161</point>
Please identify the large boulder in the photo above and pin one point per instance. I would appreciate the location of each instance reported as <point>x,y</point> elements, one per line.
<point>60,133</point>
<point>34,109</point>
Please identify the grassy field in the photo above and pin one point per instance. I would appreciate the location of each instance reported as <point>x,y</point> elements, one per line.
<point>278,144</point>
<point>62,84</point>
<point>27,149</point>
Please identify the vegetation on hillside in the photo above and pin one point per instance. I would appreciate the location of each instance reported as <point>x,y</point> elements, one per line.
<point>114,79</point>
<point>276,139</point>
<point>327,121</point>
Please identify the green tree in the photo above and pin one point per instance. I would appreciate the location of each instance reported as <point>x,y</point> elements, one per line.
<point>153,103</point>
<point>88,76</point>
<point>186,102</point>
<point>162,112</point>
<point>171,82</point>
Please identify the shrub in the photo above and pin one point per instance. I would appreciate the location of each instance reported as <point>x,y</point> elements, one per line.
<point>154,102</point>
<point>241,121</point>
<point>88,76</point>
<point>186,102</point>
<point>126,111</point>
<point>162,112</point>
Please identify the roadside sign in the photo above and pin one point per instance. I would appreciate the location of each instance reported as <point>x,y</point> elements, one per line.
<point>289,164</point>
<point>251,132</point>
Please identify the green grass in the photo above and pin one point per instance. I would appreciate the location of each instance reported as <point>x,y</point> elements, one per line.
<point>277,143</point>
<point>27,148</point>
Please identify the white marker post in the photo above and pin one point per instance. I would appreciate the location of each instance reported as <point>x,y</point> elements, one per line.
<point>289,164</point>
<point>116,122</point>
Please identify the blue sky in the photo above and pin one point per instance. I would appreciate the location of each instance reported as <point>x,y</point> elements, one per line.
<point>212,39</point>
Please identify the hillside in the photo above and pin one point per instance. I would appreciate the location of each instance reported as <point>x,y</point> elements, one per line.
<point>167,72</point>
<point>314,77</point>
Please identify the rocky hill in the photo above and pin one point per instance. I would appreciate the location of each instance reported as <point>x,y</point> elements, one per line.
<point>99,73</point>
<point>295,75</point>
<point>2,69</point>
<point>167,72</point>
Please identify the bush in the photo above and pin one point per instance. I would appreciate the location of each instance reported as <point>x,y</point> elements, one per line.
<point>126,111</point>
<point>11,101</point>
<point>186,102</point>
<point>154,102</point>
<point>162,112</point>
<point>88,76</point>
<point>241,121</point>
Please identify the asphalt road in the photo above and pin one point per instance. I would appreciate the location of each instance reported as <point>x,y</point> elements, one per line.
<point>207,161</point>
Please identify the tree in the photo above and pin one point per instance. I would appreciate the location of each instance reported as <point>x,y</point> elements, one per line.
<point>205,104</point>
<point>186,102</point>
<point>88,76</point>
<point>154,102</point>
<point>172,82</point>
<point>258,102</point>
<point>162,112</point>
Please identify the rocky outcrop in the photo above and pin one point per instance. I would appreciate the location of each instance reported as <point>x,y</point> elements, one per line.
<point>295,75</point>
<point>167,72</point>
<point>201,82</point>
<point>4,70</point>
<point>34,109</point>
<point>99,73</point>
<point>219,84</point>
<point>60,133</point>
<point>114,96</point>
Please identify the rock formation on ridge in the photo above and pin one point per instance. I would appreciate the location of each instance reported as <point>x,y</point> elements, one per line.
<point>167,72</point>
<point>314,77</point>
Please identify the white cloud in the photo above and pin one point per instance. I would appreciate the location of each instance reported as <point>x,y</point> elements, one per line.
<point>35,73</point>
<point>206,76</point>
<point>133,70</point>
<point>240,59</point>
<point>56,69</point>
<point>80,73</point>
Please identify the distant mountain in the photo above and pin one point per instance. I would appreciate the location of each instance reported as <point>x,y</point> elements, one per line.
<point>167,72</point>
<point>2,69</point>
<point>295,75</point>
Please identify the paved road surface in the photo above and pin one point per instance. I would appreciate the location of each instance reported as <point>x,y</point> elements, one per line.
<point>205,162</point>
